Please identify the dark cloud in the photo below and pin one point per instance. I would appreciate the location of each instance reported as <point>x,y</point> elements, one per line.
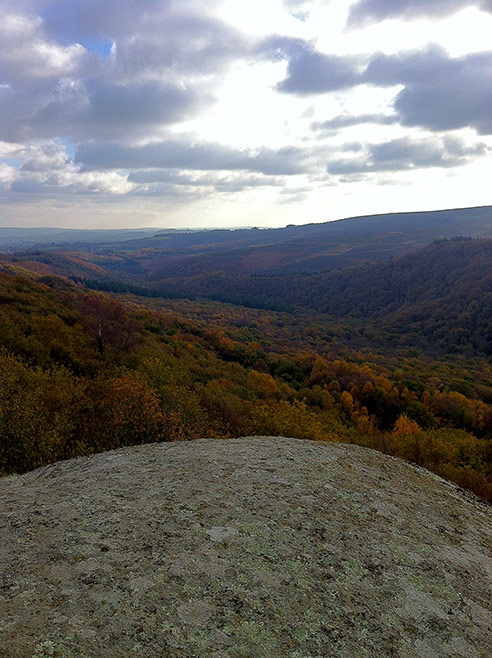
<point>223,183</point>
<point>161,35</point>
<point>405,154</point>
<point>366,11</point>
<point>278,47</point>
<point>407,67</point>
<point>164,63</point>
<point>181,44</point>
<point>77,20</point>
<point>312,72</point>
<point>175,154</point>
<point>148,103</point>
<point>149,176</point>
<point>440,92</point>
<point>28,187</point>
<point>348,120</point>
<point>60,78</point>
<point>94,109</point>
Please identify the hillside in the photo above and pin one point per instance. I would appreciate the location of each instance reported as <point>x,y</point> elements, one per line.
<point>82,372</point>
<point>302,249</point>
<point>246,547</point>
<point>315,247</point>
<point>438,298</point>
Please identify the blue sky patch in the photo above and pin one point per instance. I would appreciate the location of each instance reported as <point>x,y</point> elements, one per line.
<point>100,46</point>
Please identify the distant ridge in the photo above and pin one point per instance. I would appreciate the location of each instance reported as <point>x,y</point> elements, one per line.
<point>414,212</point>
<point>12,237</point>
<point>447,219</point>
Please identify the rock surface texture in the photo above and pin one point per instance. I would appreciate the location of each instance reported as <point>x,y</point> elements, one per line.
<point>243,548</point>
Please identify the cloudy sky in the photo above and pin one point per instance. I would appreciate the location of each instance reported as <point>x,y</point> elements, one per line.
<point>122,113</point>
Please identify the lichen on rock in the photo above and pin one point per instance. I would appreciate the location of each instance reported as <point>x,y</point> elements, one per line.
<point>259,546</point>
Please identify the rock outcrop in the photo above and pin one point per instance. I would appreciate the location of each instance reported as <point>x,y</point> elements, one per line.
<point>241,548</point>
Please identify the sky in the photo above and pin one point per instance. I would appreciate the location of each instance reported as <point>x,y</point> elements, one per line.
<point>226,113</point>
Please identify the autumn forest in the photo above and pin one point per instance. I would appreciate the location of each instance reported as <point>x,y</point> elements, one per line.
<point>113,345</point>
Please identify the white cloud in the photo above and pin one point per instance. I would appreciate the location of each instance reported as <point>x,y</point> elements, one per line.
<point>26,57</point>
<point>43,157</point>
<point>365,11</point>
<point>219,112</point>
<point>8,175</point>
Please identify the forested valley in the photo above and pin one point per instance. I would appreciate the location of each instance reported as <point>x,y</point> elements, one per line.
<point>393,356</point>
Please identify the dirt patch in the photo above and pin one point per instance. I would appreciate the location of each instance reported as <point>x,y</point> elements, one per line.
<point>259,546</point>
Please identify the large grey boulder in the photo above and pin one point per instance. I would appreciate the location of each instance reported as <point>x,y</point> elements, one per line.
<point>247,547</point>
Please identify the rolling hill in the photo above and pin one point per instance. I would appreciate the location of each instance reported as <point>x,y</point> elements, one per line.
<point>439,297</point>
<point>306,249</point>
<point>84,372</point>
